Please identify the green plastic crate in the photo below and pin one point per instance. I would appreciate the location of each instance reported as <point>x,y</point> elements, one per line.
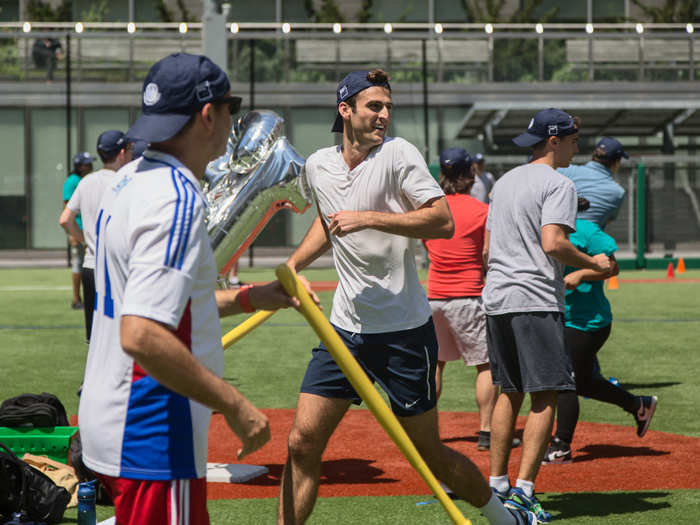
<point>53,442</point>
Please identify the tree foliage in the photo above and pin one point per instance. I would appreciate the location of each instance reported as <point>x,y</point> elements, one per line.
<point>39,11</point>
<point>672,11</point>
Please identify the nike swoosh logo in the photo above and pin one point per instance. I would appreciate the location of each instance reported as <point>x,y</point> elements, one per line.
<point>410,405</point>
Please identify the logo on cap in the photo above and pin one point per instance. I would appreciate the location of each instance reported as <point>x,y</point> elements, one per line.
<point>553,129</point>
<point>151,95</point>
<point>343,91</point>
<point>532,123</point>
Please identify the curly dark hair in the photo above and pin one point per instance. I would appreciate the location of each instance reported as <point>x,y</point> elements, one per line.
<point>461,184</point>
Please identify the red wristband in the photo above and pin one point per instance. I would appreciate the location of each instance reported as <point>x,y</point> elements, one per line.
<point>244,298</point>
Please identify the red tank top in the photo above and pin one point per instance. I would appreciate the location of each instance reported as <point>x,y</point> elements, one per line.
<point>456,268</point>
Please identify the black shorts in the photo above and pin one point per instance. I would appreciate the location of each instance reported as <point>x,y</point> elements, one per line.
<point>527,352</point>
<point>403,363</point>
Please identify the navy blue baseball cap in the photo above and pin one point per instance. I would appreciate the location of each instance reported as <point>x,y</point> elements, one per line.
<point>351,85</point>
<point>455,162</point>
<point>111,142</point>
<point>612,148</point>
<point>79,159</point>
<point>177,87</point>
<point>547,123</point>
<point>137,148</point>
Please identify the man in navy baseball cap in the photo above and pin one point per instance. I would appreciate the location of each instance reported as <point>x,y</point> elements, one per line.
<point>610,149</point>
<point>177,87</point>
<point>82,160</point>
<point>111,142</point>
<point>351,85</point>
<point>547,123</point>
<point>455,162</point>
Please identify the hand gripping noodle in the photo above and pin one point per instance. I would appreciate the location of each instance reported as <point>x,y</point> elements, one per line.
<point>258,175</point>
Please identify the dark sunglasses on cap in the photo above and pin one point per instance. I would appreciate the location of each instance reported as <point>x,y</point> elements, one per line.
<point>234,103</point>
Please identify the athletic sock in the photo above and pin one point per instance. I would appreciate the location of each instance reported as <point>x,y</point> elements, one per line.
<point>528,487</point>
<point>496,513</point>
<point>500,483</point>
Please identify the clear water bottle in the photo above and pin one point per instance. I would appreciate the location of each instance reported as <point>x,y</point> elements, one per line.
<point>87,515</point>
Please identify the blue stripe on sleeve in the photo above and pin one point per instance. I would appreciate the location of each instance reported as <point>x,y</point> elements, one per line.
<point>192,193</point>
<point>173,227</point>
<point>181,229</point>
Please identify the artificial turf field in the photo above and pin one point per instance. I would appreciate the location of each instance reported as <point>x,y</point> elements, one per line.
<point>653,349</point>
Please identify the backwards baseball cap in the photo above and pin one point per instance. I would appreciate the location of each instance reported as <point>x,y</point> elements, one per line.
<point>612,148</point>
<point>79,159</point>
<point>351,85</point>
<point>177,87</point>
<point>455,162</point>
<point>547,123</point>
<point>111,142</point>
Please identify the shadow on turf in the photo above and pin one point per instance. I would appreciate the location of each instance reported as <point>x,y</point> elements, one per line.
<point>339,471</point>
<point>600,504</point>
<point>591,452</point>
<point>648,386</point>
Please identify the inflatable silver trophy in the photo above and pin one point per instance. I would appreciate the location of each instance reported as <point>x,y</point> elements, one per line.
<point>258,175</point>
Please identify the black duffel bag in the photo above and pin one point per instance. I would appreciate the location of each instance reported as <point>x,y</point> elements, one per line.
<point>33,410</point>
<point>26,490</point>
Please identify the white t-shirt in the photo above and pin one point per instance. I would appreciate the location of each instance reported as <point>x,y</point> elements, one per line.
<point>521,276</point>
<point>378,289</point>
<point>86,201</point>
<point>154,260</point>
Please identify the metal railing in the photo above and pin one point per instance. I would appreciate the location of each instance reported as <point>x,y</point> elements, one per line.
<point>299,52</point>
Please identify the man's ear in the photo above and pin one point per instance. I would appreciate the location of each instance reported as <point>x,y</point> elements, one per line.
<point>344,109</point>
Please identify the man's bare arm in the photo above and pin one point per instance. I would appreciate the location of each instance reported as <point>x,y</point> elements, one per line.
<point>556,244</point>
<point>166,359</point>
<point>68,223</point>
<point>485,250</point>
<point>574,279</point>
<point>433,220</point>
<point>270,296</point>
<point>315,244</point>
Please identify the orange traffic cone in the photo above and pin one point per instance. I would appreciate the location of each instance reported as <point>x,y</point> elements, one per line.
<point>680,268</point>
<point>669,271</point>
<point>612,283</point>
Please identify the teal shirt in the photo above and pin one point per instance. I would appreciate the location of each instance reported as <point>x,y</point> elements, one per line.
<point>68,188</point>
<point>587,308</point>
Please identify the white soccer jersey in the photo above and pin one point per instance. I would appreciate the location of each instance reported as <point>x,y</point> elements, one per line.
<point>378,287</point>
<point>86,201</point>
<point>154,260</point>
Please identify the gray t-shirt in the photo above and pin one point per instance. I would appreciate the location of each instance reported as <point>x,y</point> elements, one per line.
<point>483,184</point>
<point>521,276</point>
<point>378,289</point>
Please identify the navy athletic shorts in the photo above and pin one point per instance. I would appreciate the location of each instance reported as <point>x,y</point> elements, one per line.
<point>527,352</point>
<point>403,363</point>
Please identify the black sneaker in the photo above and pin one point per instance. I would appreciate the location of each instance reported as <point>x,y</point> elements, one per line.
<point>559,452</point>
<point>643,415</point>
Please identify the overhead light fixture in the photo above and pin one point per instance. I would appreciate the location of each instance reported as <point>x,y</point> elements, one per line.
<point>235,28</point>
<point>79,27</point>
<point>438,29</point>
<point>388,29</point>
<point>589,28</point>
<point>689,28</point>
<point>488,28</point>
<point>639,28</point>
<point>131,27</point>
<point>286,27</point>
<point>539,29</point>
<point>337,28</point>
<point>26,27</point>
<point>183,27</point>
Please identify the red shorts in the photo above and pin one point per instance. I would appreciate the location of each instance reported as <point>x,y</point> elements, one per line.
<point>144,502</point>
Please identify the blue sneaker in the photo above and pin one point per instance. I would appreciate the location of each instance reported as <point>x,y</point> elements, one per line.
<point>518,500</point>
<point>503,496</point>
